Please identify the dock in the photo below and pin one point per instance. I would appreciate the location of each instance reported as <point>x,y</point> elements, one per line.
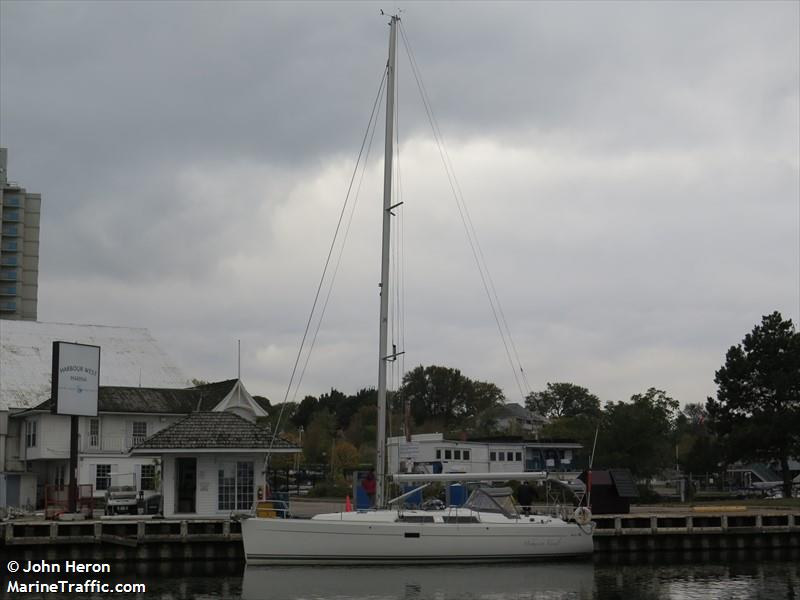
<point>221,539</point>
<point>701,529</point>
<point>123,540</point>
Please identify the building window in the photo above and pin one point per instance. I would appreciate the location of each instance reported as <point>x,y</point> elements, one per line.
<point>244,485</point>
<point>448,455</point>
<point>492,456</point>
<point>139,432</point>
<point>438,454</point>
<point>466,454</point>
<point>103,478</point>
<point>148,478</point>
<point>235,486</point>
<point>60,478</point>
<point>509,456</point>
<point>518,456</point>
<point>30,434</point>
<point>501,456</point>
<point>94,433</point>
<point>456,454</point>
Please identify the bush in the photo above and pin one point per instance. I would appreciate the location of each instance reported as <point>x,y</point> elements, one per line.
<point>330,489</point>
<point>647,495</point>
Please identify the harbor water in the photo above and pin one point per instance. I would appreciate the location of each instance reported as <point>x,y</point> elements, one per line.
<point>721,576</point>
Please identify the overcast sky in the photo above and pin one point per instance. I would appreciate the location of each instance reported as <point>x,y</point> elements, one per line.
<point>632,169</point>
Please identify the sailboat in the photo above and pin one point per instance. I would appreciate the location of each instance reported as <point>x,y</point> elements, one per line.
<point>487,528</point>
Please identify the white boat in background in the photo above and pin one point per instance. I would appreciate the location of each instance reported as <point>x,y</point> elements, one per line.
<point>487,528</point>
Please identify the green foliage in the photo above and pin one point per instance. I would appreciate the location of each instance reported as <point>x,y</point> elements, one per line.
<point>305,410</point>
<point>579,429</point>
<point>263,400</point>
<point>445,395</point>
<point>638,434</point>
<point>319,437</point>
<point>363,426</point>
<point>564,400</point>
<point>756,413</point>
<point>345,457</point>
<point>697,448</point>
<point>275,412</point>
<point>647,495</point>
<point>484,423</point>
<point>330,489</point>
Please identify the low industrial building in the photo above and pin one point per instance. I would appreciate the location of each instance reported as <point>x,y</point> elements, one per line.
<point>508,454</point>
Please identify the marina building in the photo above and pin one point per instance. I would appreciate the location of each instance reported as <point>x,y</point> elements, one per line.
<point>130,357</point>
<point>19,247</point>
<point>197,448</point>
<point>432,452</point>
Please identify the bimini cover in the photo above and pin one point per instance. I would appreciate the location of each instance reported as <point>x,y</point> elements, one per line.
<point>496,500</point>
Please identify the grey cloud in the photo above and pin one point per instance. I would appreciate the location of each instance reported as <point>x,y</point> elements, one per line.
<point>632,168</point>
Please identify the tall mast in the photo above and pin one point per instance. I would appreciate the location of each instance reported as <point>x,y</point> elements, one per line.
<point>380,496</point>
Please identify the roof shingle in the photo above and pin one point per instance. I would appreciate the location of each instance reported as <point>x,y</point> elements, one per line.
<point>118,399</point>
<point>214,431</point>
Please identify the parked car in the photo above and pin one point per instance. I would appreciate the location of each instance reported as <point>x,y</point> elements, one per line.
<point>121,494</point>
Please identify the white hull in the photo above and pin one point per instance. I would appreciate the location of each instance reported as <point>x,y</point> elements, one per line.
<point>379,538</point>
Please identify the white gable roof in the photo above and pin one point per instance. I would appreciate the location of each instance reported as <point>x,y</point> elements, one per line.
<point>240,402</point>
<point>26,355</point>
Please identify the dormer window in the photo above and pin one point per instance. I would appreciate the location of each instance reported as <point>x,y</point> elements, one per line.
<point>139,432</point>
<point>30,434</point>
<point>94,433</point>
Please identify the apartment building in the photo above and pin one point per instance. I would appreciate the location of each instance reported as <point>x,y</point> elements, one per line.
<point>19,247</point>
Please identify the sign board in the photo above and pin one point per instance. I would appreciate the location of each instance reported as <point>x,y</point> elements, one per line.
<point>76,379</point>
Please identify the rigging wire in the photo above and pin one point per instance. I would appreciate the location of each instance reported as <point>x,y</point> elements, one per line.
<point>398,200</point>
<point>472,237</point>
<point>378,96</point>
<point>398,335</point>
<point>339,257</point>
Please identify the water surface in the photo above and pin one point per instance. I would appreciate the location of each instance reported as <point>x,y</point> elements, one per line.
<point>662,576</point>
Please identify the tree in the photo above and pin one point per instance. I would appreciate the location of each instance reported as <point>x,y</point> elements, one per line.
<point>563,400</point>
<point>363,427</point>
<point>346,407</point>
<point>305,410</point>
<point>345,457</point>
<point>445,396</point>
<point>318,441</point>
<point>279,416</point>
<point>264,402</point>
<point>697,447</point>
<point>757,409</point>
<point>579,429</point>
<point>638,434</point>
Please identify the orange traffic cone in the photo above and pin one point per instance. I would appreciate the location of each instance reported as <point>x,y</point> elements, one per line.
<point>347,506</point>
